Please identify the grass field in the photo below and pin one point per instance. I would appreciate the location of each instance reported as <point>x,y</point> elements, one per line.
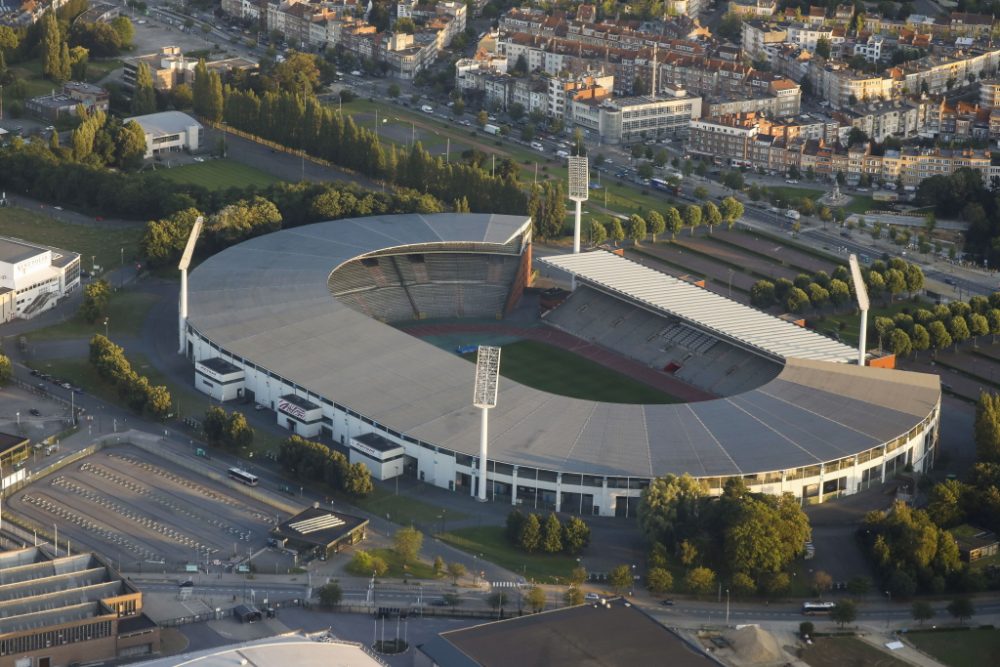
<point>560,372</point>
<point>101,242</point>
<point>404,510</point>
<point>218,175</point>
<point>794,193</point>
<point>844,651</point>
<point>491,543</point>
<point>960,648</point>
<point>418,570</point>
<point>126,313</point>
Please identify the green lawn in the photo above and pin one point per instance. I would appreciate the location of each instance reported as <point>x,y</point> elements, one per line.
<point>491,543</point>
<point>960,648</point>
<point>787,193</point>
<point>126,312</point>
<point>404,510</point>
<point>81,372</point>
<point>218,175</point>
<point>844,651</point>
<point>101,242</point>
<point>561,372</point>
<point>860,205</point>
<point>418,570</point>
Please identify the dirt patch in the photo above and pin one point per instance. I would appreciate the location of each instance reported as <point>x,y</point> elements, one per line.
<point>847,652</point>
<point>754,646</point>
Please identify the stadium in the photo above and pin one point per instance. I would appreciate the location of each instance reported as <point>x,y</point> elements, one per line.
<point>312,322</point>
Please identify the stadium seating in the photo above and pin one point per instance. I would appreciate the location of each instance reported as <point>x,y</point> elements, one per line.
<point>661,342</point>
<point>396,288</point>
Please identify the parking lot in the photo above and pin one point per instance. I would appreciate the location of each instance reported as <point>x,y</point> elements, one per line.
<point>32,412</point>
<point>142,511</point>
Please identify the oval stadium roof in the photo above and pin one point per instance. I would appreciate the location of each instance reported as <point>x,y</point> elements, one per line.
<point>266,301</point>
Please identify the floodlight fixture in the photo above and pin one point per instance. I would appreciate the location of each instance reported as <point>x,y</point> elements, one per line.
<point>862,295</point>
<point>183,266</point>
<point>579,192</point>
<point>485,397</point>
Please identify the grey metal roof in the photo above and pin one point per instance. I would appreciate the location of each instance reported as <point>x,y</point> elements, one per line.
<point>13,251</point>
<point>713,312</point>
<point>165,122</point>
<point>266,300</point>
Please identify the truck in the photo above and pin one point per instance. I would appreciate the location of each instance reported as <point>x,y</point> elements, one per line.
<point>792,214</point>
<point>489,128</point>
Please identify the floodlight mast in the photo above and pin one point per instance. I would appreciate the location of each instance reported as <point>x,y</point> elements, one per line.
<point>861,293</point>
<point>579,192</point>
<point>183,266</point>
<point>484,397</point>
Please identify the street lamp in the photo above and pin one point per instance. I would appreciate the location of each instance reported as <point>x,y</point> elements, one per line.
<point>106,327</point>
<point>888,611</point>
<point>727,607</point>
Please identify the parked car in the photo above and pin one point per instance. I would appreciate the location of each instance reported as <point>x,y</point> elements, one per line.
<point>35,412</point>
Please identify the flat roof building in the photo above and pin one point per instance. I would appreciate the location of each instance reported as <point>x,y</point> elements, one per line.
<point>169,131</point>
<point>62,610</point>
<point>320,532</point>
<point>37,275</point>
<point>288,650</point>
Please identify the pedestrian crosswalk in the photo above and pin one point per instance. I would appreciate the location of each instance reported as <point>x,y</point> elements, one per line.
<point>505,584</point>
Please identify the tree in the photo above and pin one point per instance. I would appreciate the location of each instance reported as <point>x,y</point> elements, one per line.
<point>213,425</point>
<point>700,192</point>
<point>530,538</point>
<point>238,434</point>
<point>617,233</point>
<point>596,232</point>
<point>978,326</point>
<point>986,430</point>
<point>668,508</point>
<point>921,339</point>
<point>797,300</point>
<point>762,294</point>
<point>365,564</point>
<point>688,553</point>
<point>552,535</point>
<point>959,330</point>
<point>899,343</point>
<point>657,223</point>
<point>674,224</point>
<point>535,599</point>
<point>859,586</point>
<point>95,300</point>
<point>939,336</point>
<point>806,628</point>
<point>573,596</point>
<point>844,613</point>
<point>823,48</point>
<point>406,542</point>
<point>456,571</point>
<point>700,580</point>
<point>143,95</point>
<point>962,609</point>
<point>330,594</point>
<point>576,536</point>
<point>6,369</point>
<point>636,228</point>
<point>922,611</point>
<point>732,210</point>
<point>946,502</point>
<point>124,29</point>
<point>822,582</point>
<point>405,24</point>
<point>659,580</point>
<point>620,578</point>
<point>711,215</point>
<point>51,47</point>
<point>692,217</point>
<point>439,566</point>
<point>743,584</point>
<point>393,90</point>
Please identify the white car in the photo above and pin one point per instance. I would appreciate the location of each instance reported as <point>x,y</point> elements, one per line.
<point>199,159</point>
<point>592,597</point>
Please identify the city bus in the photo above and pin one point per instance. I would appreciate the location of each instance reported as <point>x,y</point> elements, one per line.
<point>666,186</point>
<point>243,476</point>
<point>817,608</point>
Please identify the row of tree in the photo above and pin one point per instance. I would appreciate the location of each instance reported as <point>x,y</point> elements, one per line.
<point>276,207</point>
<point>301,122</point>
<point>103,141</point>
<point>672,220</point>
<point>964,195</point>
<point>134,389</point>
<point>819,289</point>
<point>529,533</point>
<point>755,536</point>
<point>313,461</point>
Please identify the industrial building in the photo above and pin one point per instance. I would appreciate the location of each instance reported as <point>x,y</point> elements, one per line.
<point>33,278</point>
<point>60,610</point>
<point>169,131</point>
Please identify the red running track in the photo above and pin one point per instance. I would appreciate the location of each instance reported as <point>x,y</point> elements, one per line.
<point>603,356</point>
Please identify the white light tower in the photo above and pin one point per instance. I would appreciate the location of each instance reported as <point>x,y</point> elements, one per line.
<point>862,295</point>
<point>183,266</point>
<point>485,397</point>
<point>579,192</point>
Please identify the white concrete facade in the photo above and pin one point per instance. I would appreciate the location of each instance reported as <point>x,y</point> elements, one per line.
<point>37,276</point>
<point>602,495</point>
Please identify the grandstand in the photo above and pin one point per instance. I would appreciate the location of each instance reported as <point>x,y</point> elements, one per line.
<point>397,288</point>
<point>302,313</point>
<point>661,342</point>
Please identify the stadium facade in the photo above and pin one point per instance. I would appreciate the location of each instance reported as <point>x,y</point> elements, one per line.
<point>300,319</point>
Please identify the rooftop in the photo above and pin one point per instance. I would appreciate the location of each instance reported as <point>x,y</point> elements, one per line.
<point>165,122</point>
<point>318,526</point>
<point>284,650</point>
<point>13,251</point>
<point>617,634</point>
<point>267,300</point>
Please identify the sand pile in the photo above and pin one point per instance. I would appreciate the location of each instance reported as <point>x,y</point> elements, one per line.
<point>754,645</point>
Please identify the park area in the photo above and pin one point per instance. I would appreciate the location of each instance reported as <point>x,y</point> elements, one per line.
<point>561,372</point>
<point>490,543</point>
<point>844,651</point>
<point>218,175</point>
<point>961,647</point>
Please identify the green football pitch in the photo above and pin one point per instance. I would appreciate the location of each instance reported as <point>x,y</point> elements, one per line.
<point>218,175</point>
<point>557,371</point>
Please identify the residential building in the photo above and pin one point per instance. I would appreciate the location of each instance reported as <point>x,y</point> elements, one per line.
<point>69,609</point>
<point>247,10</point>
<point>169,131</point>
<point>171,67</point>
<point>627,119</point>
<point>870,49</point>
<point>757,35</point>
<point>756,9</point>
<point>807,35</point>
<point>729,137</point>
<point>34,277</point>
<point>73,94</point>
<point>880,120</point>
<point>989,93</point>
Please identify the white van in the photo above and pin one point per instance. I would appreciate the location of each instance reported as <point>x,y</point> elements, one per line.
<point>537,145</point>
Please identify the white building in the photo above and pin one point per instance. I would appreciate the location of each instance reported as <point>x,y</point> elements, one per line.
<point>626,119</point>
<point>219,379</point>
<point>870,50</point>
<point>33,278</point>
<point>169,131</point>
<point>383,457</point>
